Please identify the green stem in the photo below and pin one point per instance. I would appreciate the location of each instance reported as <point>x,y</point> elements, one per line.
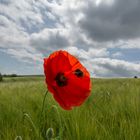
<point>43,104</point>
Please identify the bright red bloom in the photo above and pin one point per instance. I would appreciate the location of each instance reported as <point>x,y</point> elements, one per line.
<point>67,79</point>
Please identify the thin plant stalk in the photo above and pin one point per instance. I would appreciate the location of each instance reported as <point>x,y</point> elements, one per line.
<point>43,104</point>
<point>42,109</point>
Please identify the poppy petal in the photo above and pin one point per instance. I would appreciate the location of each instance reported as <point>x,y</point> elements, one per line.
<point>67,79</point>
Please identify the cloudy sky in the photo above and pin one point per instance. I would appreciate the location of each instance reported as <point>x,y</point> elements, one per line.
<point>103,34</point>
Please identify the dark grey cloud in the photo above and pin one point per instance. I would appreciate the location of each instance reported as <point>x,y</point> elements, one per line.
<point>6,2</point>
<point>120,20</point>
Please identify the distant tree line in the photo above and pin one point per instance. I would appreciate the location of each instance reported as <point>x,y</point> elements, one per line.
<point>7,75</point>
<point>1,78</point>
<point>10,75</point>
<point>136,77</point>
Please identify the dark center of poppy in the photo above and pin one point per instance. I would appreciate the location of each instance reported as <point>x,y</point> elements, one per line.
<point>78,73</point>
<point>61,80</point>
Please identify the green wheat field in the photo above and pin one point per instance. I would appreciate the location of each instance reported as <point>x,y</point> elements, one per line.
<point>112,112</point>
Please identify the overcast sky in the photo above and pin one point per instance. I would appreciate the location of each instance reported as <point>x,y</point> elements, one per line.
<point>103,34</point>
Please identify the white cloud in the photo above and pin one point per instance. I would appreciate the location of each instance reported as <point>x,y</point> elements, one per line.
<point>15,19</point>
<point>89,54</point>
<point>22,11</point>
<point>117,54</point>
<point>107,2</point>
<point>11,34</point>
<point>112,67</point>
<point>49,40</point>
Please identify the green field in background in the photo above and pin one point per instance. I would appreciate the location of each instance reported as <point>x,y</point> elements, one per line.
<point>112,112</point>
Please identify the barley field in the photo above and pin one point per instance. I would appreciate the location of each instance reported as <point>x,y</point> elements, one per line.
<point>112,112</point>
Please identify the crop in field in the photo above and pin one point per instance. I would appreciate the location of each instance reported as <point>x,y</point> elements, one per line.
<point>110,113</point>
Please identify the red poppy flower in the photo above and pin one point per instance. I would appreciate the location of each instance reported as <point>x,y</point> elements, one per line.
<point>67,79</point>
